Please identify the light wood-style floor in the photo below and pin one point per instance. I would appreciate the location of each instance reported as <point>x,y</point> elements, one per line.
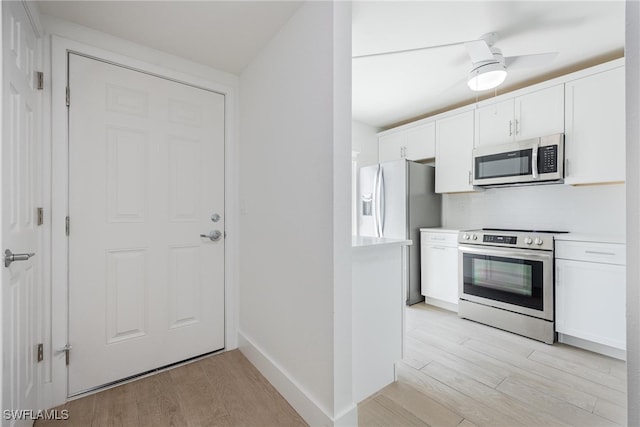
<point>461,373</point>
<point>220,390</point>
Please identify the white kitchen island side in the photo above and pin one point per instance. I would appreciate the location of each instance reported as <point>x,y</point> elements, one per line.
<point>378,312</point>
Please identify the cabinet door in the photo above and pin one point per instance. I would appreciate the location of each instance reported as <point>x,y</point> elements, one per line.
<point>421,142</point>
<point>539,113</point>
<point>454,143</point>
<point>590,301</point>
<point>494,123</point>
<point>391,146</point>
<point>440,273</point>
<point>595,128</point>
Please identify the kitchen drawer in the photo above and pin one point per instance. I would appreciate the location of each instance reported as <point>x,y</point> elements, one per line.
<point>606,253</point>
<point>440,238</point>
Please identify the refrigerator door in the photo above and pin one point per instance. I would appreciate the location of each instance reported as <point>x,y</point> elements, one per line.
<point>367,223</point>
<point>394,208</point>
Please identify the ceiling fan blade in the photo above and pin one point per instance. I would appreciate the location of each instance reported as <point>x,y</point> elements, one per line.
<point>393,52</point>
<point>530,61</point>
<point>479,51</point>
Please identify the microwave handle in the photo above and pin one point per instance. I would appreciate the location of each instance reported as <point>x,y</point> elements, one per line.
<point>534,160</point>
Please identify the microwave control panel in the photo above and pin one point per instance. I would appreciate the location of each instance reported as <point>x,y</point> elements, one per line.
<point>548,159</point>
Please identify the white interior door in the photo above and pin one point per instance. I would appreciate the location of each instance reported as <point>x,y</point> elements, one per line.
<point>20,279</point>
<point>146,175</point>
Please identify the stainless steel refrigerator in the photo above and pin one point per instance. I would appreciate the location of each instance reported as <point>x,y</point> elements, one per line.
<point>396,199</point>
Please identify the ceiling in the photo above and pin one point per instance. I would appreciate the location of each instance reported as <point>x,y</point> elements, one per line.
<point>387,90</point>
<point>225,35</point>
<point>395,88</point>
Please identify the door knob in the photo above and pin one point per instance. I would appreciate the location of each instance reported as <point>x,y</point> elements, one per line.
<point>214,235</point>
<point>10,257</point>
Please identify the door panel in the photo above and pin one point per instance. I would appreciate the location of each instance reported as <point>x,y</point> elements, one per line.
<point>146,173</point>
<point>20,284</point>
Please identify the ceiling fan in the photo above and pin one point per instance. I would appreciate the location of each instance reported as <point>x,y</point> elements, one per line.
<point>488,65</point>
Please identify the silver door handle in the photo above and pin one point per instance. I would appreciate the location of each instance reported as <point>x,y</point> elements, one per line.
<point>10,257</point>
<point>534,160</point>
<point>214,235</point>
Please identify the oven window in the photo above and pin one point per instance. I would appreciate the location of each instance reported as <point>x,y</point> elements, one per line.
<point>513,163</point>
<point>509,280</point>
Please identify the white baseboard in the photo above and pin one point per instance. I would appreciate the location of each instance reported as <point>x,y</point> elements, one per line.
<point>312,412</point>
<point>616,353</point>
<point>441,304</point>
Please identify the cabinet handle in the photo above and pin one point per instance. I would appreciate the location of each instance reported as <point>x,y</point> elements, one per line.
<point>510,128</point>
<point>517,123</point>
<point>469,177</point>
<point>599,253</point>
<point>438,247</point>
<point>566,168</point>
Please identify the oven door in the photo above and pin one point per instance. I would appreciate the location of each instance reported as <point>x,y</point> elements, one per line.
<point>517,280</point>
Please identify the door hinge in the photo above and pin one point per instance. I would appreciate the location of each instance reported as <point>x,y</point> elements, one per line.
<point>39,80</point>
<point>39,216</point>
<point>40,352</point>
<point>68,96</point>
<point>66,226</point>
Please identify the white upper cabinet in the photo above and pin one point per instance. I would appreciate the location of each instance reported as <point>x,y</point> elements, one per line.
<point>527,116</point>
<point>416,143</point>
<point>494,123</point>
<point>595,134</point>
<point>391,146</point>
<point>421,142</point>
<point>454,144</point>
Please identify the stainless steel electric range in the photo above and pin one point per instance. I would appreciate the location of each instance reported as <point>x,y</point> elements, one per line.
<point>506,280</point>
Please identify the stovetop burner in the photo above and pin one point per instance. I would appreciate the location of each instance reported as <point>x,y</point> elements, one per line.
<point>512,230</point>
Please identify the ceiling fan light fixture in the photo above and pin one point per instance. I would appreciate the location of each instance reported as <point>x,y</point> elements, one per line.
<point>487,76</point>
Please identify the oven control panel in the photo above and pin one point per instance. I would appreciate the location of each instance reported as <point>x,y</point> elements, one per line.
<point>507,240</point>
<point>520,239</point>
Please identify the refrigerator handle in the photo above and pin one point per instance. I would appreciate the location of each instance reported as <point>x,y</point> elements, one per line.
<point>380,203</point>
<point>375,201</point>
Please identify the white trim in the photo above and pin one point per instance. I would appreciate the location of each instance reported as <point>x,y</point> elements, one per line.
<point>59,193</point>
<point>34,17</point>
<point>595,347</point>
<point>309,408</point>
<point>445,305</point>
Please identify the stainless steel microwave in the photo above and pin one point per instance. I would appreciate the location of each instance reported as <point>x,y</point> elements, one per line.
<point>533,161</point>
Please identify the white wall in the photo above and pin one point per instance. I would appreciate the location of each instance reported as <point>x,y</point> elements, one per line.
<point>106,41</point>
<point>632,53</point>
<point>596,209</point>
<point>364,141</point>
<point>295,307</point>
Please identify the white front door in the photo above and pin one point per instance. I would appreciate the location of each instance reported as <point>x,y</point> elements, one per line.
<point>146,180</point>
<point>20,279</point>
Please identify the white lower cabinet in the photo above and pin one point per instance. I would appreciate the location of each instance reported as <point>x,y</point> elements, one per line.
<point>590,292</point>
<point>439,267</point>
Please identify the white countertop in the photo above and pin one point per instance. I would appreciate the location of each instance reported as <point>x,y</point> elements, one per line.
<point>440,230</point>
<point>585,237</point>
<point>368,241</point>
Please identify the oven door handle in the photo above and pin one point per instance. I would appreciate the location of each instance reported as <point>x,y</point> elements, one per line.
<point>507,252</point>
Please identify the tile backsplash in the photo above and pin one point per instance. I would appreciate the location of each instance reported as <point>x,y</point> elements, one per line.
<point>597,209</point>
